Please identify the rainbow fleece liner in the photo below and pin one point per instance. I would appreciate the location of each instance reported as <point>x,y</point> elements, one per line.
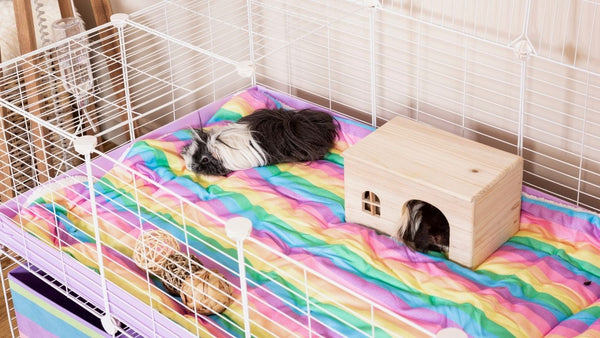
<point>544,280</point>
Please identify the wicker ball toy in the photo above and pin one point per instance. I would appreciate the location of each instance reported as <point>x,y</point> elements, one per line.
<point>176,268</point>
<point>206,292</point>
<point>152,249</point>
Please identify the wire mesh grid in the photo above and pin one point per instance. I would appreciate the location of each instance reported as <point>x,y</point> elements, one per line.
<point>510,74</point>
<point>41,117</point>
<point>11,261</point>
<point>7,317</point>
<point>136,206</point>
<point>456,66</point>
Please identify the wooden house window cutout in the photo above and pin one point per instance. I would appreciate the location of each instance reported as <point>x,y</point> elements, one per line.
<point>371,204</point>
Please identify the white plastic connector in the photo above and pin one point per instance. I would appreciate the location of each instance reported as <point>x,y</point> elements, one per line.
<point>238,228</point>
<point>245,68</point>
<point>523,49</point>
<point>110,325</point>
<point>451,332</point>
<point>371,3</point>
<point>85,144</point>
<point>119,20</point>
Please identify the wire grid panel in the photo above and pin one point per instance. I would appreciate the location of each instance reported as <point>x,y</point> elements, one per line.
<point>372,60</point>
<point>220,29</point>
<point>558,136</point>
<point>8,317</point>
<point>561,101</point>
<point>152,92</point>
<point>380,60</point>
<point>126,204</point>
<point>13,261</point>
<point>133,90</point>
<point>566,31</point>
<point>505,73</point>
<point>300,49</point>
<point>494,21</point>
<point>77,240</point>
<point>200,47</point>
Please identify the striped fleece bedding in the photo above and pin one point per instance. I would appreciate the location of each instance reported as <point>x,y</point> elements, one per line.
<point>543,282</point>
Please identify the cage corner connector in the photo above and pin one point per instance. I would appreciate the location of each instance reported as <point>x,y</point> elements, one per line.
<point>245,68</point>
<point>238,228</point>
<point>119,20</point>
<point>371,3</point>
<point>523,48</point>
<point>85,144</point>
<point>110,324</point>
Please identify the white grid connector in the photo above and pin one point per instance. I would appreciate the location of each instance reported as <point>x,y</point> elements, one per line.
<point>371,3</point>
<point>85,144</point>
<point>238,228</point>
<point>523,49</point>
<point>109,324</point>
<point>245,68</point>
<point>119,20</point>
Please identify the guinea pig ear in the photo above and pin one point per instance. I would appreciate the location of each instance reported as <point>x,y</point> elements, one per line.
<point>197,134</point>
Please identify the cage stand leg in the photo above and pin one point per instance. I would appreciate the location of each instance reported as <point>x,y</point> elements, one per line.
<point>102,10</point>
<point>119,21</point>
<point>238,229</point>
<point>85,145</point>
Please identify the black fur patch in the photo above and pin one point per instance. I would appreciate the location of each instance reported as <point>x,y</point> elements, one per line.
<point>292,135</point>
<point>432,228</point>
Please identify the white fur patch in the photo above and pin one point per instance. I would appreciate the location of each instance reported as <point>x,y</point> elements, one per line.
<point>187,154</point>
<point>235,147</point>
<point>416,217</point>
<point>410,216</point>
<point>404,221</point>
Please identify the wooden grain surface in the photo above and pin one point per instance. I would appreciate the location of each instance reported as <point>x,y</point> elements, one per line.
<point>475,186</point>
<point>433,157</point>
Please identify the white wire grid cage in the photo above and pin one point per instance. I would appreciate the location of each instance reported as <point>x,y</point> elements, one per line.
<point>523,76</point>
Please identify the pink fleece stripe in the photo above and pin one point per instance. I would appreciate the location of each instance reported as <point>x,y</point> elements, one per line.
<point>559,231</point>
<point>319,214</point>
<point>582,223</point>
<point>443,276</point>
<point>280,313</point>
